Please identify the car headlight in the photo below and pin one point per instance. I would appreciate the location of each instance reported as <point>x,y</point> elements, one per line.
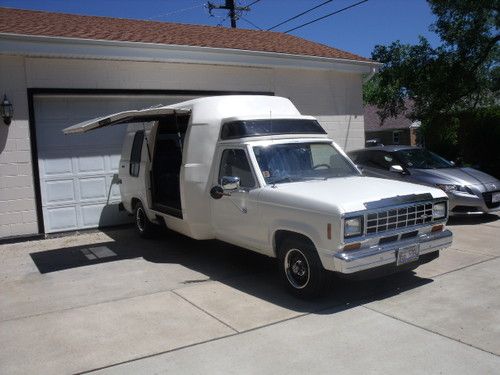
<point>439,210</point>
<point>353,226</point>
<point>449,188</point>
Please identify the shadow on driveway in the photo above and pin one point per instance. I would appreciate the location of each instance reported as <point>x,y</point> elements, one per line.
<point>233,266</point>
<point>472,219</point>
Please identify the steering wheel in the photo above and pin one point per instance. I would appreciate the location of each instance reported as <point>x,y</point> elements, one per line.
<point>327,166</point>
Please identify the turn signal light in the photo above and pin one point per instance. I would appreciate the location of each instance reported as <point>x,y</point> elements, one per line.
<point>437,228</point>
<point>352,246</point>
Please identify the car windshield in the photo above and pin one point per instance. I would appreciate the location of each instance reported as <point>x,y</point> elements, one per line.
<point>292,162</point>
<point>423,159</point>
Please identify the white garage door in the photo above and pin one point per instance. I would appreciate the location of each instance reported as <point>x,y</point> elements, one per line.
<point>76,171</point>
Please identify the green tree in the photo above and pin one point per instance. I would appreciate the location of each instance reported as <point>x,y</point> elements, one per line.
<point>461,74</point>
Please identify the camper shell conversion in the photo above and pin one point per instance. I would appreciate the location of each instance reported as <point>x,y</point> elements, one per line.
<point>254,172</point>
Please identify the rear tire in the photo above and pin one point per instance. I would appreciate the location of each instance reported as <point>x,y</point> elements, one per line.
<point>143,225</point>
<point>301,269</point>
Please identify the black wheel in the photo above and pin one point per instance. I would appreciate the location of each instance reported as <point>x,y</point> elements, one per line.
<point>145,228</point>
<point>301,269</point>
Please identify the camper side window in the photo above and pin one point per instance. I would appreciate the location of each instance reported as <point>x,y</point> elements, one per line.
<point>135,155</point>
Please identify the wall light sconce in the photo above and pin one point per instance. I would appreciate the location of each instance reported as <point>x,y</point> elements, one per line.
<point>6,110</point>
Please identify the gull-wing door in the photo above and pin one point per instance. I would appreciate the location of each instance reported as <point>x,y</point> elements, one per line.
<point>141,115</point>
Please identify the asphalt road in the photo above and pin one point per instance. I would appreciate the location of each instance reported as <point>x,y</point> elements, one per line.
<point>112,303</point>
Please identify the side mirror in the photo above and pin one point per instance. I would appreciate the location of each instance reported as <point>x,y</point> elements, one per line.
<point>397,169</point>
<point>360,167</point>
<point>230,183</point>
<point>453,163</point>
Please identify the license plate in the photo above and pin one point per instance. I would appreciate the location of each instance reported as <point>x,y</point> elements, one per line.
<point>407,254</point>
<point>495,197</point>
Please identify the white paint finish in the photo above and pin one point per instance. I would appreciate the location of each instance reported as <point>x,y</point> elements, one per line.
<point>8,170</point>
<point>60,218</point>
<point>15,181</point>
<point>11,218</point>
<point>332,96</point>
<point>76,172</point>
<point>144,75</point>
<point>250,217</point>
<point>15,156</point>
<point>58,191</point>
<point>92,188</point>
<point>9,194</point>
<point>31,45</point>
<point>23,228</point>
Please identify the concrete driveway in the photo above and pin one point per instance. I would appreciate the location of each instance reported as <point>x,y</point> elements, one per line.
<point>110,302</point>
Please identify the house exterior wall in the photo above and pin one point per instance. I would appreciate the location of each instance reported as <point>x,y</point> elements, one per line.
<point>17,196</point>
<point>386,137</point>
<point>335,98</point>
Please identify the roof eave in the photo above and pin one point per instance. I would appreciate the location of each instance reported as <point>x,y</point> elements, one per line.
<point>62,47</point>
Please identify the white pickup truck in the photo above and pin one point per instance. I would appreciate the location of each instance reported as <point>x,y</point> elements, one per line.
<point>254,172</point>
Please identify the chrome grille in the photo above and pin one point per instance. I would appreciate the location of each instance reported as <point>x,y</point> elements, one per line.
<point>386,220</point>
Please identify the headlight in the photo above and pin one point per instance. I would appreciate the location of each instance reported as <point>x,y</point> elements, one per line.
<point>449,188</point>
<point>439,210</point>
<point>353,226</point>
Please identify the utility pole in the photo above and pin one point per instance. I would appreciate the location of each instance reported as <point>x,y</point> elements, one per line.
<point>231,7</point>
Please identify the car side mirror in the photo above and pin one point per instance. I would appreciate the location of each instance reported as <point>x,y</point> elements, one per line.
<point>230,183</point>
<point>360,167</point>
<point>397,169</point>
<point>453,163</point>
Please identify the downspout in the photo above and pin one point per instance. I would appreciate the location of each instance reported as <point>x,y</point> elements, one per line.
<point>370,75</point>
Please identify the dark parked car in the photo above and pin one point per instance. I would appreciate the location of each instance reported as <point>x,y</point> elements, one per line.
<point>469,190</point>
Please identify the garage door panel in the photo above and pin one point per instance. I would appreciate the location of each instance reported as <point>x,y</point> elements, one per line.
<point>87,164</point>
<point>114,189</point>
<point>76,171</point>
<point>61,218</point>
<point>57,166</point>
<point>59,191</point>
<point>114,161</point>
<point>91,214</point>
<point>102,214</point>
<point>93,188</point>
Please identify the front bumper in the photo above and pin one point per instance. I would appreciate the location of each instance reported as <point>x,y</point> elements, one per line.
<point>350,262</point>
<point>463,203</point>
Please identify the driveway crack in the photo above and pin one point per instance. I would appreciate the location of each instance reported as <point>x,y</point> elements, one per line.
<point>205,311</point>
<point>427,329</point>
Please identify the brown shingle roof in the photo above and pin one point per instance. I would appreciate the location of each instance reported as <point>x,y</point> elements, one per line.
<point>373,123</point>
<point>39,23</point>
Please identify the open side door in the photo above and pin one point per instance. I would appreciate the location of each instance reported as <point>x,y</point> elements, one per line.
<point>141,115</point>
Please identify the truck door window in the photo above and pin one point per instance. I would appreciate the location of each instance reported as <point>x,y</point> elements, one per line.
<point>234,162</point>
<point>135,155</point>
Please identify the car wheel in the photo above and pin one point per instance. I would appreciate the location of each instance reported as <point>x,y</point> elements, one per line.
<point>301,269</point>
<point>145,228</point>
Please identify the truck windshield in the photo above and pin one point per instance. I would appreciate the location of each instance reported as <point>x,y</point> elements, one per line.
<point>292,162</point>
<point>424,159</point>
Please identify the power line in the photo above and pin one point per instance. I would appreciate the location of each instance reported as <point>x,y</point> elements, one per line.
<point>178,11</point>
<point>231,7</point>
<point>255,2</point>
<point>328,15</point>
<point>250,22</point>
<point>300,14</point>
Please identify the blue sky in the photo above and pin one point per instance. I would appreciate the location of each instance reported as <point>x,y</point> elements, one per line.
<point>356,30</point>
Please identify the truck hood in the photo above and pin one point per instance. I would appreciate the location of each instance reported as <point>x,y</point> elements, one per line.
<point>343,195</point>
<point>458,176</point>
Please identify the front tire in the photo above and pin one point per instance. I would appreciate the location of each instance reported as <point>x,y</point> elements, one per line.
<point>301,269</point>
<point>143,225</point>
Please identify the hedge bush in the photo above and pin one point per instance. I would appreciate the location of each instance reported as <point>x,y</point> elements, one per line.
<point>471,137</point>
